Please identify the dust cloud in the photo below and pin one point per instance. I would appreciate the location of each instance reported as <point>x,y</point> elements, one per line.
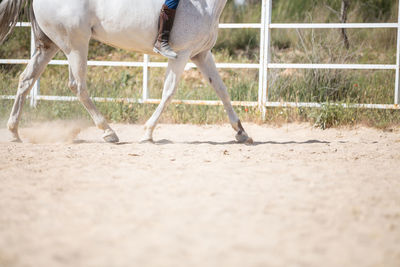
<point>59,131</point>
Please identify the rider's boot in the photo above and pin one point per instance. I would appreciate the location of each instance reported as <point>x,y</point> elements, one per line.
<point>165,24</point>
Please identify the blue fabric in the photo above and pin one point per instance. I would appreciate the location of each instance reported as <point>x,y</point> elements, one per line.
<point>173,4</point>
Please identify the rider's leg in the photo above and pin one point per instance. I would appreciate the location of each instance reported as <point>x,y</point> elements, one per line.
<point>165,24</point>
<point>173,4</point>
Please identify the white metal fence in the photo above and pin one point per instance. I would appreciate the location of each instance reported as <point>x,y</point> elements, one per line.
<point>264,65</point>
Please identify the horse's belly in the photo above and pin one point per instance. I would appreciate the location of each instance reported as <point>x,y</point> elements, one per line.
<point>127,24</point>
<point>133,40</point>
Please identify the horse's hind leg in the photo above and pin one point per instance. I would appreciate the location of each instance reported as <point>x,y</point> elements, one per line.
<point>206,65</point>
<point>27,79</point>
<point>77,59</point>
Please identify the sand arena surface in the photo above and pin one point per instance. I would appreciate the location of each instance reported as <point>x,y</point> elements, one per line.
<point>298,197</point>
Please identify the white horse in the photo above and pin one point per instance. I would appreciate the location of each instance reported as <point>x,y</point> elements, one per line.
<point>128,24</point>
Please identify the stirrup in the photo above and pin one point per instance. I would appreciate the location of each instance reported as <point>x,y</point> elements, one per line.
<point>166,51</point>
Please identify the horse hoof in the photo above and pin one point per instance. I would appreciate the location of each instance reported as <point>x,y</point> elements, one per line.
<point>110,137</point>
<point>15,137</point>
<point>146,141</point>
<point>16,140</point>
<point>14,134</point>
<point>249,141</point>
<point>243,138</point>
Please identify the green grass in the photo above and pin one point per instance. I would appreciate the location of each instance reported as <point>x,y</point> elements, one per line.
<point>328,87</point>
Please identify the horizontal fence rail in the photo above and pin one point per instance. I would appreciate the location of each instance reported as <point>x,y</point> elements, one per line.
<point>263,66</point>
<point>135,64</point>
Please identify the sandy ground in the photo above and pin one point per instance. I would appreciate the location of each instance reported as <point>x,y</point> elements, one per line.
<point>297,197</point>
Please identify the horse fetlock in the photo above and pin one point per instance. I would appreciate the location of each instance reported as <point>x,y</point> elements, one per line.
<point>149,127</point>
<point>241,137</point>
<point>148,135</point>
<point>12,125</point>
<point>237,126</point>
<point>13,128</point>
<point>147,138</point>
<point>102,124</point>
<point>16,139</point>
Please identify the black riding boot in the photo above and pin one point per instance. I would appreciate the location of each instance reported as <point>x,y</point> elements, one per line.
<point>165,24</point>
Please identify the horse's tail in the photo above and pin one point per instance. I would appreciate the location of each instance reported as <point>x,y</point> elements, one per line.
<point>9,14</point>
<point>10,11</point>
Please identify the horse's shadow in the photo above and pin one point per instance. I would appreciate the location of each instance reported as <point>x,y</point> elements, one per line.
<point>80,142</point>
<point>214,143</point>
<point>257,143</point>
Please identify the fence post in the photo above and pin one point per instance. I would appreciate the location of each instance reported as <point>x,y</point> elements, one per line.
<point>262,50</point>
<point>267,55</point>
<point>145,78</point>
<point>36,87</point>
<point>397,86</point>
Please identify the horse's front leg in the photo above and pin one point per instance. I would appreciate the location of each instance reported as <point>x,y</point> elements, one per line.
<point>172,78</point>
<point>205,62</point>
